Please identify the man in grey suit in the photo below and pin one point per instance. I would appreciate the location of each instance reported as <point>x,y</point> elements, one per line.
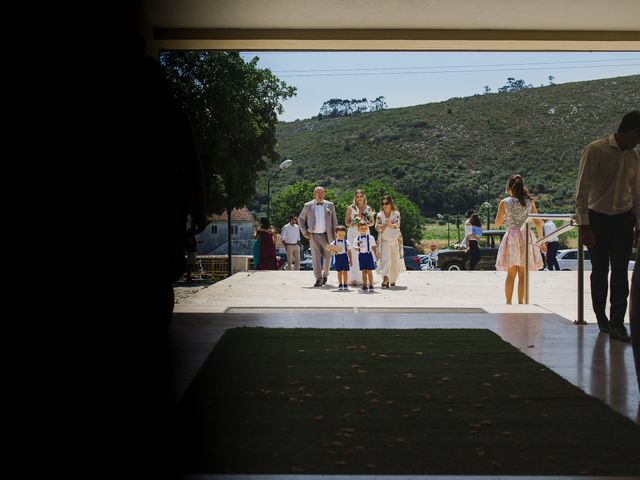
<point>318,223</point>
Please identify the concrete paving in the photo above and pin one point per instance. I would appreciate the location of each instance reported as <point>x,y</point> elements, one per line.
<point>432,291</point>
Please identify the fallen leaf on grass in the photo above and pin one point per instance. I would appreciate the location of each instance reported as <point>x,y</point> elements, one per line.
<point>348,429</point>
<point>355,365</point>
<point>375,400</point>
<point>479,451</point>
<point>346,387</point>
<point>360,447</point>
<point>371,392</point>
<point>362,371</point>
<point>341,462</point>
<point>496,463</point>
<point>506,433</point>
<point>297,469</point>
<point>418,353</point>
<point>418,409</point>
<point>400,440</point>
<point>486,422</point>
<point>389,402</point>
<point>317,418</point>
<point>408,376</point>
<point>486,384</point>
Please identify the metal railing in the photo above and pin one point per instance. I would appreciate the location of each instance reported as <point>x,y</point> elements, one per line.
<point>563,229</point>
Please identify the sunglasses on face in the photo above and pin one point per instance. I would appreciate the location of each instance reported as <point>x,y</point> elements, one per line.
<point>385,203</point>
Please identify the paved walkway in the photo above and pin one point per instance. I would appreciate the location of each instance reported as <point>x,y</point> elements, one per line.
<point>264,291</point>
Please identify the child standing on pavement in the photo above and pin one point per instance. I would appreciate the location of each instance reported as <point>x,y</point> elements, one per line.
<point>366,246</point>
<point>342,254</point>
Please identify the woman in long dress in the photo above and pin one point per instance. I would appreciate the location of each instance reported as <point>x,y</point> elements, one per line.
<point>513,212</point>
<point>358,210</point>
<point>267,258</point>
<point>388,224</point>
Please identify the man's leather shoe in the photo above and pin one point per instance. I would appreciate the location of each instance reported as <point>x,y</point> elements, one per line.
<point>318,283</point>
<point>324,280</point>
<point>621,334</point>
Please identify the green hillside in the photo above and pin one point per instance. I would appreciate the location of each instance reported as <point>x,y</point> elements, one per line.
<point>440,154</point>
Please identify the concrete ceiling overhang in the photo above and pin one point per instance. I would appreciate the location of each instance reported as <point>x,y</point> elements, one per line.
<point>395,25</point>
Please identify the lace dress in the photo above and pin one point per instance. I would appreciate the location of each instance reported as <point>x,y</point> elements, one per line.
<point>511,250</point>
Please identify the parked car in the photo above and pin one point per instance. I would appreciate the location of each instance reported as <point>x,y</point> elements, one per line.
<point>568,259</point>
<point>411,259</point>
<point>458,259</point>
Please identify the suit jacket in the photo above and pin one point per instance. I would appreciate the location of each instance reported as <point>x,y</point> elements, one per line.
<point>307,218</point>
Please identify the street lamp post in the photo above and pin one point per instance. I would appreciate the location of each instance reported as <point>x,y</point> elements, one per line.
<point>487,205</point>
<point>283,166</point>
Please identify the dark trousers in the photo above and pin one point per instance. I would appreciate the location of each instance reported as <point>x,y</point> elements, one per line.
<point>614,239</point>
<point>474,254</point>
<point>552,249</point>
<point>634,313</point>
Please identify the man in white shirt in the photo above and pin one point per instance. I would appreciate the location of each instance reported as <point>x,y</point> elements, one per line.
<point>318,223</point>
<point>290,237</point>
<point>607,211</point>
<point>553,243</point>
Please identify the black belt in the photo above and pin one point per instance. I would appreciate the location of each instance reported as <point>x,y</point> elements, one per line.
<point>290,243</point>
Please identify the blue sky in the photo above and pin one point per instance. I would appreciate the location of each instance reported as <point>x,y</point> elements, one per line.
<point>413,78</point>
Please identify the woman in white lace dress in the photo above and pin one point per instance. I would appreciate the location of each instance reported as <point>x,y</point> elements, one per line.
<point>512,212</point>
<point>388,224</point>
<point>358,210</point>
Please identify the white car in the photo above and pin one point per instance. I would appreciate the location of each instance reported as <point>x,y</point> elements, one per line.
<point>568,259</point>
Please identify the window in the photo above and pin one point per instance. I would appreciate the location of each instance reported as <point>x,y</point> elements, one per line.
<point>234,229</point>
<point>214,229</point>
<point>571,255</point>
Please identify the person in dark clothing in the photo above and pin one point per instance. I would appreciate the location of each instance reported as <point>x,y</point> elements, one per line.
<point>473,240</point>
<point>608,211</point>
<point>267,258</point>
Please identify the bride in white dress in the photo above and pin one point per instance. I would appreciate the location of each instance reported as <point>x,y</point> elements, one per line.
<point>358,210</point>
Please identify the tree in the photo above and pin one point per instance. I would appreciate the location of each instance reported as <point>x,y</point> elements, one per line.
<point>487,89</point>
<point>514,85</point>
<point>551,77</point>
<point>337,107</point>
<point>234,107</point>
